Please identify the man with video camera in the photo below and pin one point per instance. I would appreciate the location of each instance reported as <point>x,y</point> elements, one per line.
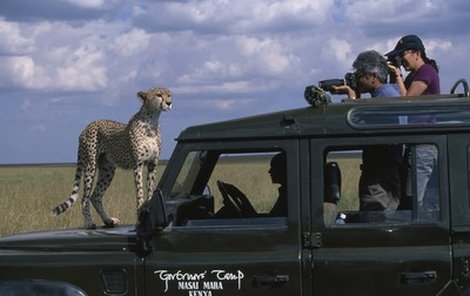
<point>379,184</point>
<point>371,73</point>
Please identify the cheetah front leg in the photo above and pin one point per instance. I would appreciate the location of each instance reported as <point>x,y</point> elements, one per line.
<point>139,187</point>
<point>151,178</point>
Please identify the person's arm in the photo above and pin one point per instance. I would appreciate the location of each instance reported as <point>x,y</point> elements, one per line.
<point>395,72</point>
<point>416,88</point>
<point>345,89</point>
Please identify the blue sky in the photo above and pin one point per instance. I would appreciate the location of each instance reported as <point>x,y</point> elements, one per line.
<point>64,63</point>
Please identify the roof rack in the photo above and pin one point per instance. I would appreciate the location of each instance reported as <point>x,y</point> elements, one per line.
<point>464,84</point>
<point>316,96</point>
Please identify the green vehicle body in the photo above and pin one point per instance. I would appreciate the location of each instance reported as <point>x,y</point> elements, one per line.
<point>180,246</point>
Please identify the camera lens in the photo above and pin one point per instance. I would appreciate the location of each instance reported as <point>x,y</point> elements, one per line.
<point>328,84</point>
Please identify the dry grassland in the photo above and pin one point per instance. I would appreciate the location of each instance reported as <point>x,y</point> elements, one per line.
<point>28,193</point>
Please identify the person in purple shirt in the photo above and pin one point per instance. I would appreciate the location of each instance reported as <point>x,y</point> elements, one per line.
<point>423,78</point>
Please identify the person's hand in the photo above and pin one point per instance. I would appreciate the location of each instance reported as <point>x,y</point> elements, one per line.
<point>394,71</point>
<point>233,190</point>
<point>345,89</point>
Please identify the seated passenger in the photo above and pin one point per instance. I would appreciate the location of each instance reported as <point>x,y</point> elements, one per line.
<point>278,175</point>
<point>380,182</point>
<point>332,187</point>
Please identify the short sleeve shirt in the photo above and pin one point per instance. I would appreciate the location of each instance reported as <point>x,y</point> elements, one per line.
<point>428,75</point>
<point>387,90</point>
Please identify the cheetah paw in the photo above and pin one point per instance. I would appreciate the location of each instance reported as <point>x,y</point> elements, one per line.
<point>90,226</point>
<point>112,222</point>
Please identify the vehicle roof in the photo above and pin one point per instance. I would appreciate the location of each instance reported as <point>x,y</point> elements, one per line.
<point>334,119</point>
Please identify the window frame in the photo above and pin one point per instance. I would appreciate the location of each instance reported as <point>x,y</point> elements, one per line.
<point>289,146</point>
<point>444,116</point>
<point>320,148</point>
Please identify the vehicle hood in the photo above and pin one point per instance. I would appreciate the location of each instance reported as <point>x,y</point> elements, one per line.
<point>110,239</point>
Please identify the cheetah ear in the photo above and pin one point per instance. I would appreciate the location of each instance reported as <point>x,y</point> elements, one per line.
<point>142,96</point>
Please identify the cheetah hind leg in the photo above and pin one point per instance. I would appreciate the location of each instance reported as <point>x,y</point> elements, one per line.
<point>87,194</point>
<point>106,172</point>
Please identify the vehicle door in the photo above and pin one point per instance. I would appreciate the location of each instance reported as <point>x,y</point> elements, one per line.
<point>380,252</point>
<point>459,170</point>
<point>227,246</point>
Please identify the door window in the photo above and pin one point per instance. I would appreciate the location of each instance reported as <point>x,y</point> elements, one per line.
<point>381,183</point>
<point>230,188</point>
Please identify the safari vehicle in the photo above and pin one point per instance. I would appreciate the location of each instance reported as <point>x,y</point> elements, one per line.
<point>199,236</point>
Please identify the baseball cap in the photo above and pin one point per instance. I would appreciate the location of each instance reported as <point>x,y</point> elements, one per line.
<point>405,43</point>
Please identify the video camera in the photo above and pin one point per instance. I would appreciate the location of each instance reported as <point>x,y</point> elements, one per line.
<point>395,60</point>
<point>316,95</point>
<point>349,80</point>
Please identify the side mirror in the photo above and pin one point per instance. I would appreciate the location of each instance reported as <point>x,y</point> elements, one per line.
<point>152,218</point>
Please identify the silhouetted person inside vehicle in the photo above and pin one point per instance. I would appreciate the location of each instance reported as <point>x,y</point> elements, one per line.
<point>279,176</point>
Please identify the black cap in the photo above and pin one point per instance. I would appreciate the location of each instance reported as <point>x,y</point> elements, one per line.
<point>406,43</point>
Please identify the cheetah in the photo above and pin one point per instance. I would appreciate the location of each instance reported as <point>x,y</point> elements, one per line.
<point>106,144</point>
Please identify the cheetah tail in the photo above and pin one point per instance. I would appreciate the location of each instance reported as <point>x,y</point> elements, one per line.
<point>73,197</point>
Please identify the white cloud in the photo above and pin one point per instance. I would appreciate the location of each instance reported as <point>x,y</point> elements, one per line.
<point>221,104</point>
<point>80,70</point>
<point>434,45</point>
<point>11,40</point>
<point>87,3</point>
<point>261,15</point>
<point>222,87</point>
<point>23,72</point>
<point>83,70</point>
<point>340,50</point>
<point>131,43</point>
<point>224,104</point>
<point>237,65</point>
<point>210,70</point>
<point>268,54</point>
<point>239,16</point>
<point>23,69</point>
<point>392,11</point>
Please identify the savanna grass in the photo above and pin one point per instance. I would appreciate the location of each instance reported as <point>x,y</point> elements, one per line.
<point>28,193</point>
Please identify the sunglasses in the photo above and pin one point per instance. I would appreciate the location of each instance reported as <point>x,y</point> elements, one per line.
<point>407,52</point>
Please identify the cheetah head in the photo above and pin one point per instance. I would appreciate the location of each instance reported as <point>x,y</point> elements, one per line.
<point>156,99</point>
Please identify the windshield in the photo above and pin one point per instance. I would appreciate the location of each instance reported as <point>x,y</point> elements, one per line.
<point>226,184</point>
<point>187,176</point>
